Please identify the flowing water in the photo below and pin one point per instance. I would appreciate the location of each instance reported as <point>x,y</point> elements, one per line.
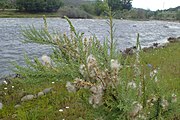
<point>12,49</point>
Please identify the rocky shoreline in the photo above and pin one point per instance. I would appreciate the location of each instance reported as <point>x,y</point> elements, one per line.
<point>131,50</point>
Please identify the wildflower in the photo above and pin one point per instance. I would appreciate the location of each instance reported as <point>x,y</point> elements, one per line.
<point>153,73</point>
<point>174,98</point>
<point>164,103</point>
<point>67,107</point>
<point>5,82</point>
<point>149,65</point>
<point>12,86</point>
<point>70,87</point>
<point>53,82</point>
<point>115,65</point>
<point>60,110</point>
<point>136,109</point>
<point>132,85</point>
<point>46,59</point>
<point>5,88</point>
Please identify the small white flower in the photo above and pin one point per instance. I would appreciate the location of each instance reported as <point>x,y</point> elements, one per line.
<point>67,107</point>
<point>5,82</point>
<point>115,65</point>
<point>60,110</point>
<point>132,85</point>
<point>12,86</point>
<point>53,82</point>
<point>70,87</point>
<point>174,98</point>
<point>153,73</point>
<point>46,59</point>
<point>155,79</point>
<point>5,88</point>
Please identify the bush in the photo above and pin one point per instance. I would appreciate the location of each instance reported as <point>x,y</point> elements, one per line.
<point>38,5</point>
<point>72,12</point>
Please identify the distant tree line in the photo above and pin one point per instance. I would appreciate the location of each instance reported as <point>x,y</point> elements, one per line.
<point>89,8</point>
<point>7,4</point>
<point>38,5</point>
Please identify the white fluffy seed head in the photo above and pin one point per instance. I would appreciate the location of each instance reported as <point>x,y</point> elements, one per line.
<point>82,69</point>
<point>164,104</point>
<point>115,65</point>
<point>70,87</point>
<point>46,59</point>
<point>91,60</point>
<point>136,109</point>
<point>131,84</point>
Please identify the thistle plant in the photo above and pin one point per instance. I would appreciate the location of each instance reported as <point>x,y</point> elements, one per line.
<point>89,64</point>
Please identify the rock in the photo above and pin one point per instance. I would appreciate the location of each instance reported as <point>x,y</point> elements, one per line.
<point>146,49</point>
<point>17,106</point>
<point>47,90</point>
<point>40,94</point>
<point>165,26</point>
<point>155,45</point>
<point>1,105</point>
<point>172,39</point>
<point>27,98</point>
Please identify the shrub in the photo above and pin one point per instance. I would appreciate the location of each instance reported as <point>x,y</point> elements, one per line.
<point>72,12</point>
<point>38,5</point>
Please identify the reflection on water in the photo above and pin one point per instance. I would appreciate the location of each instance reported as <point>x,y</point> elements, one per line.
<point>12,49</point>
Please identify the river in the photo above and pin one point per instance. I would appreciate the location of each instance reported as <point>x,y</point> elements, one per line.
<point>12,49</point>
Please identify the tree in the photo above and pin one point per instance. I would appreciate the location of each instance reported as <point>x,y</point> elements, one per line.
<point>38,5</point>
<point>5,4</point>
<point>100,7</point>
<point>178,15</point>
<point>126,4</point>
<point>119,4</point>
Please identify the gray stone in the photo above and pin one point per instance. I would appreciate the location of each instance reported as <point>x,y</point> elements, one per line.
<point>47,90</point>
<point>1,106</point>
<point>27,98</point>
<point>17,106</point>
<point>40,94</point>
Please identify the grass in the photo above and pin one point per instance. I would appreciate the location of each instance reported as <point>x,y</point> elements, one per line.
<point>47,107</point>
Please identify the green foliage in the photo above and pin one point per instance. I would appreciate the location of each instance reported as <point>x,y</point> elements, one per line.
<point>89,8</point>
<point>178,15</point>
<point>73,12</point>
<point>38,5</point>
<point>119,4</point>
<point>6,4</point>
<point>100,7</point>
